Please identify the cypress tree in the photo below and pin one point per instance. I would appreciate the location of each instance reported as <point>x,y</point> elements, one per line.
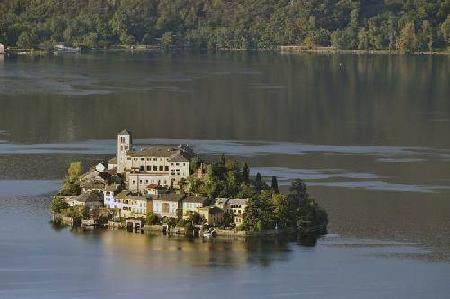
<point>274,184</point>
<point>245,173</point>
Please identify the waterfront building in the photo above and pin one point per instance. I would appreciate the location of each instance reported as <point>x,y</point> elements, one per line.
<point>237,207</point>
<point>167,205</point>
<point>2,49</point>
<point>213,215</point>
<point>193,203</point>
<point>164,165</point>
<point>234,206</point>
<point>133,205</point>
<point>90,200</point>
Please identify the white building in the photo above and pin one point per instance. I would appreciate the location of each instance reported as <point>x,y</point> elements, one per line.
<point>167,205</point>
<point>164,165</point>
<point>133,205</point>
<point>109,197</point>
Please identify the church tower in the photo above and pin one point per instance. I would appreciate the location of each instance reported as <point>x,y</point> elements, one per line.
<point>124,144</point>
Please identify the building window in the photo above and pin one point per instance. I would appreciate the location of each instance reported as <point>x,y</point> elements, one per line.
<point>141,168</point>
<point>149,168</point>
<point>128,159</point>
<point>142,159</point>
<point>154,159</point>
<point>146,181</point>
<point>155,168</point>
<point>166,168</point>
<point>134,182</point>
<point>171,164</point>
<point>161,168</point>
<point>177,164</point>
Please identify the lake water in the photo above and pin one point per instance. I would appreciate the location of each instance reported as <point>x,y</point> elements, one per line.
<point>369,134</point>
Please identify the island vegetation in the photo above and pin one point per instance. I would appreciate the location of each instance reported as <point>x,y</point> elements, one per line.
<point>403,26</point>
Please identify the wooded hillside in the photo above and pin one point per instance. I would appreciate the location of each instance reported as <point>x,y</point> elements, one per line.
<point>404,25</point>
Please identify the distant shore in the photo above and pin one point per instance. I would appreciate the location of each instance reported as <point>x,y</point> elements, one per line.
<point>331,50</point>
<point>290,49</point>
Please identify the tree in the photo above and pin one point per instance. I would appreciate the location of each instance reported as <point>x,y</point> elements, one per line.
<point>259,213</point>
<point>25,40</point>
<point>274,184</point>
<point>298,187</point>
<point>445,29</point>
<point>58,205</point>
<point>167,41</point>
<point>71,185</point>
<point>245,173</point>
<point>152,219</point>
<point>407,41</point>
<point>170,221</point>
<point>228,220</point>
<point>280,203</point>
<point>426,36</point>
<point>194,218</point>
<point>74,171</point>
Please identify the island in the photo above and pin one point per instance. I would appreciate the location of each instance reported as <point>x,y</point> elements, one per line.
<point>169,188</point>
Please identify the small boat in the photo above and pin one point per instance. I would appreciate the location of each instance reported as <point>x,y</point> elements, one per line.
<point>211,233</point>
<point>63,48</point>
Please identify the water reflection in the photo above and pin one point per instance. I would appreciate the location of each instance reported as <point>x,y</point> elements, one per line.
<point>308,98</point>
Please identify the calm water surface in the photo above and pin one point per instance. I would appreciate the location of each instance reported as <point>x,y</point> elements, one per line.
<point>370,135</point>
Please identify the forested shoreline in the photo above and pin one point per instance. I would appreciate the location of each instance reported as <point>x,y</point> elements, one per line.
<point>397,25</point>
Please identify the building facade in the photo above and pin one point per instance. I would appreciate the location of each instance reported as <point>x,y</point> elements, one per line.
<point>167,205</point>
<point>193,203</point>
<point>164,165</point>
<point>234,206</point>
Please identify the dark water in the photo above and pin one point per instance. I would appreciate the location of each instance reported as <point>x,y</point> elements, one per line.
<point>370,135</point>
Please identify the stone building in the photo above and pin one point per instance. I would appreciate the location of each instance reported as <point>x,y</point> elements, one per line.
<point>168,205</point>
<point>193,203</point>
<point>234,206</point>
<point>164,165</point>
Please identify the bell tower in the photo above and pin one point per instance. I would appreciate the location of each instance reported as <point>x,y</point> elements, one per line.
<point>124,144</point>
